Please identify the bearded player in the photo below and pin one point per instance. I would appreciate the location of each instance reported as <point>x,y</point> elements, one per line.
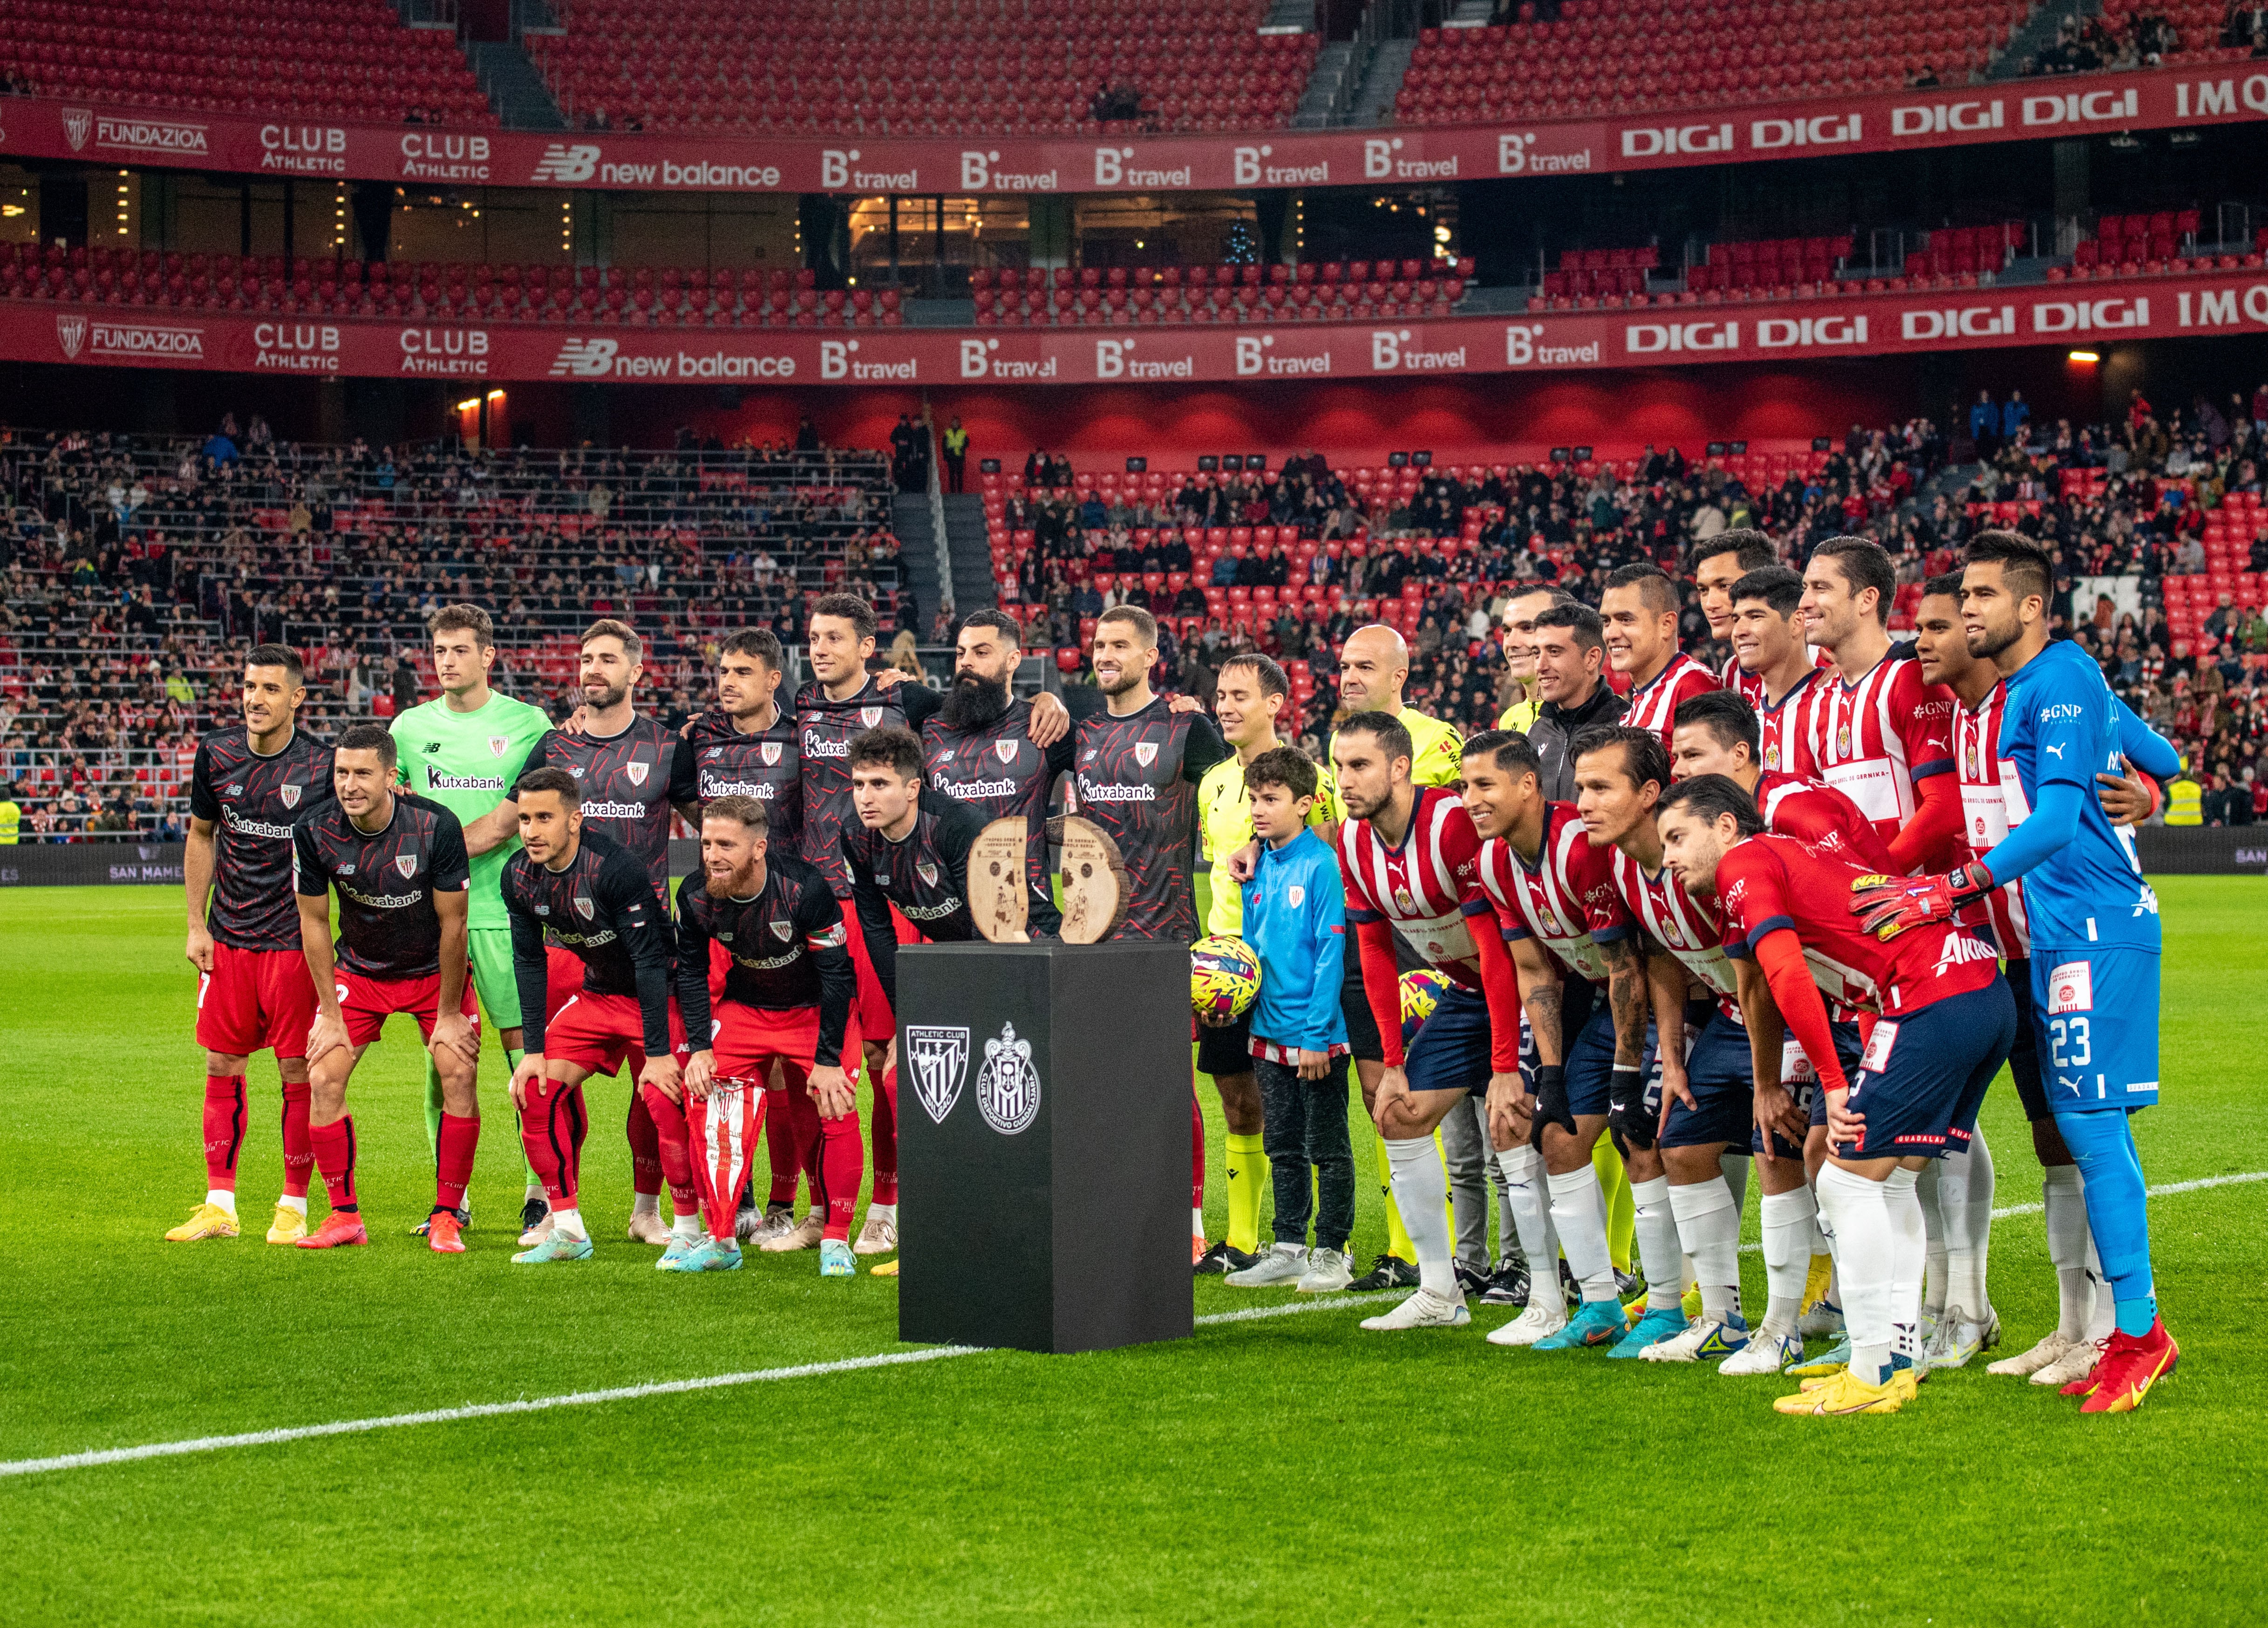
<point>461,750</point>
<point>399,867</point>
<point>252,782</point>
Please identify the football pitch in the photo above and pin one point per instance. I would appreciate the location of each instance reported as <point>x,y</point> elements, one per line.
<point>1273,1469</point>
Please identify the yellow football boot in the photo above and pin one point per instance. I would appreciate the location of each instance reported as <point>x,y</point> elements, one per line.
<point>207,1220</point>
<point>289,1227</point>
<point>1844,1393</point>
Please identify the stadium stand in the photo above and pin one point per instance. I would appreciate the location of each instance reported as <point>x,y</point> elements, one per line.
<point>910,67</point>
<point>332,59</point>
<point>1356,291</point>
<point>134,573</point>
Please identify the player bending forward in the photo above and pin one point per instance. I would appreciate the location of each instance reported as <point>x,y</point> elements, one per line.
<point>788,994</point>
<point>597,900</point>
<point>399,864</point>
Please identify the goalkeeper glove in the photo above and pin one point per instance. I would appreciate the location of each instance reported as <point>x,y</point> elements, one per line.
<point>1885,906</point>
<point>1551,1104</point>
<point>1627,1114</point>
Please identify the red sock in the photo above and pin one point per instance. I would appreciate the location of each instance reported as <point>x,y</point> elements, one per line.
<point>843,1161</point>
<point>670,1126</point>
<point>780,1144</point>
<point>334,1156</point>
<point>804,1112</point>
<point>298,1147</point>
<point>1196,1153</point>
<point>886,1137</point>
<point>645,1141</point>
<point>724,1126</point>
<point>452,1161</point>
<point>223,1130</point>
<point>577,1114</point>
<point>549,1131</point>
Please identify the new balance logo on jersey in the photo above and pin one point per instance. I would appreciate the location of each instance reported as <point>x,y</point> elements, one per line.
<point>564,162</point>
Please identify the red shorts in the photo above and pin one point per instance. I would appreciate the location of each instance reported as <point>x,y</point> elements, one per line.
<point>597,1032</point>
<point>563,978</point>
<point>255,1000</point>
<point>871,1015</point>
<point>749,1040</point>
<point>366,1003</point>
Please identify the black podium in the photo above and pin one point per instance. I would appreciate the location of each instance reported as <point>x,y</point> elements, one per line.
<point>1043,1144</point>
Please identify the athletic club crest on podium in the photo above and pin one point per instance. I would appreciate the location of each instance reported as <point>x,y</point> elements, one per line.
<point>1008,1087</point>
<point>940,1060</point>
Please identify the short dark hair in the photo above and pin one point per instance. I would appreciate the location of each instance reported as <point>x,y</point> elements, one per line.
<point>2025,565</point>
<point>1270,676</point>
<point>606,627</point>
<point>747,810</point>
<point>1710,796</point>
<point>367,737</point>
<point>277,655</point>
<point>1393,736</point>
<point>890,746</point>
<point>762,643</point>
<point>1656,591</point>
<point>1644,756</point>
<point>1508,749</point>
<point>1000,622</point>
<point>1728,716</point>
<point>1947,583</point>
<point>550,779</point>
<point>1775,585</point>
<point>1755,549</point>
<point>849,607</point>
<point>1865,564</point>
<point>1286,766</point>
<point>1580,619</point>
<point>1559,595</point>
<point>1143,623</point>
<point>463,619</point>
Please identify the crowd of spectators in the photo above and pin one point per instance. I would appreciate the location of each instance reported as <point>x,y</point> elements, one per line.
<point>134,574</point>
<point>2142,38</point>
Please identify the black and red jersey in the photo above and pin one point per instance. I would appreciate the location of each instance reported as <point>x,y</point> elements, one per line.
<point>766,765</point>
<point>599,906</point>
<point>253,802</point>
<point>1136,776</point>
<point>926,876</point>
<point>629,783</point>
<point>828,727</point>
<point>386,879</point>
<point>787,949</point>
<point>998,772</point>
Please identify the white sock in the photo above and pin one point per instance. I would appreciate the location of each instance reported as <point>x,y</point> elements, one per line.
<point>1929,1191</point>
<point>1968,1209</point>
<point>1857,1216</point>
<point>1197,1221</point>
<point>646,1203</point>
<point>1421,1192</point>
<point>293,1201</point>
<point>687,1229</point>
<point>222,1198</point>
<point>569,1221</point>
<point>1529,1202</point>
<point>1708,1227</point>
<point>1508,1225</point>
<point>882,1211</point>
<point>1789,1228</point>
<point>2068,1238</point>
<point>1657,1254</point>
<point>1579,1215</point>
<point>535,1188</point>
<point>1736,1168</point>
<point>1912,1248</point>
<point>2103,1310</point>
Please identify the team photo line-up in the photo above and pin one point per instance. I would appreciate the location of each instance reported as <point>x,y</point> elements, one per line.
<point>1643,941</point>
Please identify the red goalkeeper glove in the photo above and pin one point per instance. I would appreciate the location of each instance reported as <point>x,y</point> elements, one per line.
<point>1885,906</point>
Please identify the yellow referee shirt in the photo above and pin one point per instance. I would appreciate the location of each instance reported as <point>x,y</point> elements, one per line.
<point>1224,814</point>
<point>1520,715</point>
<point>1439,761</point>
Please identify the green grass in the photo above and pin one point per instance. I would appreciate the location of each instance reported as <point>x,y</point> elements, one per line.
<point>1274,1471</point>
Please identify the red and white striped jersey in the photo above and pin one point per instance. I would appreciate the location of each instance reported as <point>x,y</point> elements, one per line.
<point>1566,900</point>
<point>1423,885</point>
<point>1654,705</point>
<point>1787,728</point>
<point>1687,929</point>
<point>1992,804</point>
<point>1821,816</point>
<point>1875,740</point>
<point>1751,685</point>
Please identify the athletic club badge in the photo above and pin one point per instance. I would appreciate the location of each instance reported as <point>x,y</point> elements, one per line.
<point>782,931</point>
<point>584,908</point>
<point>290,794</point>
<point>1008,1087</point>
<point>940,1060</point>
<point>496,744</point>
<point>406,864</point>
<point>872,716</point>
<point>1295,895</point>
<point>636,772</point>
<point>770,753</point>
<point>1145,753</point>
<point>927,871</point>
<point>1006,749</point>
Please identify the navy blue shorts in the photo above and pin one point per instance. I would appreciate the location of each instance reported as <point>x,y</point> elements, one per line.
<point>1722,1079</point>
<point>1362,1023</point>
<point>1590,1018</point>
<point>2095,1015</point>
<point>2024,1056</point>
<point>1924,1075</point>
<point>1450,1053</point>
<point>1808,1096</point>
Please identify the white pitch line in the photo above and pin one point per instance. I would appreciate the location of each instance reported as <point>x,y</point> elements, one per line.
<point>95,1458</point>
